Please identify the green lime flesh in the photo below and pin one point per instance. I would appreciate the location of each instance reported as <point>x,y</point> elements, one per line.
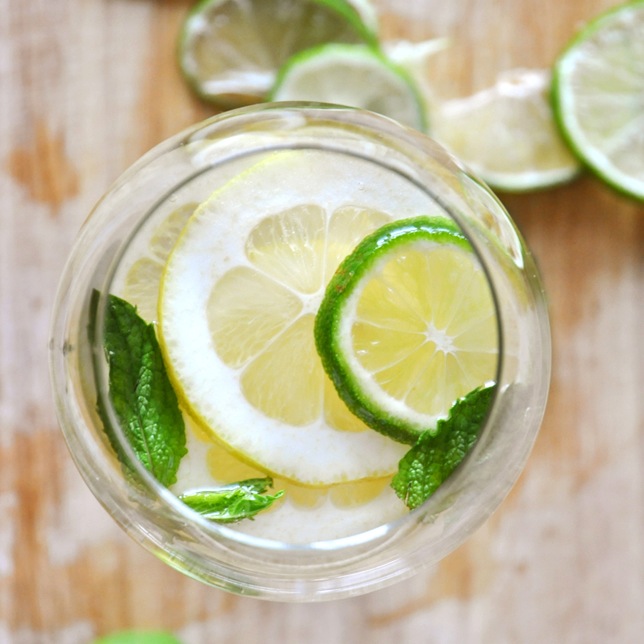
<point>355,268</point>
<point>240,45</point>
<point>598,93</point>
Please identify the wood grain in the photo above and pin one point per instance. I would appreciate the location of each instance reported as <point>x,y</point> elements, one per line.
<point>87,86</point>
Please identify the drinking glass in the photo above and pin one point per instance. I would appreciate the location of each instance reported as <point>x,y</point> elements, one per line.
<point>186,169</point>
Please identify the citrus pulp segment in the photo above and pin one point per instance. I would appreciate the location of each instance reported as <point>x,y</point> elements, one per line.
<point>141,281</point>
<point>598,94</point>
<point>507,134</point>
<point>230,50</point>
<point>408,326</point>
<point>237,303</point>
<point>353,75</point>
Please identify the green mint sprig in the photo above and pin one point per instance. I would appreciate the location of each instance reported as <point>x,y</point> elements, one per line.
<point>231,503</point>
<point>437,453</point>
<point>141,393</point>
<point>147,409</point>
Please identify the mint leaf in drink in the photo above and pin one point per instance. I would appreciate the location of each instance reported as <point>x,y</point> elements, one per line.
<point>141,393</point>
<point>233,502</point>
<point>147,409</point>
<point>436,454</point>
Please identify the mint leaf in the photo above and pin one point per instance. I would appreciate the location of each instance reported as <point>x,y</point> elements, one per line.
<point>233,502</point>
<point>438,453</point>
<point>141,393</point>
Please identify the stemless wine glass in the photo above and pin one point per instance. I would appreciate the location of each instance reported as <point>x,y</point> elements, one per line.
<point>185,170</point>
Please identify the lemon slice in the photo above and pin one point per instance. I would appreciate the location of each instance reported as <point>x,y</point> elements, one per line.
<point>238,298</point>
<point>507,134</point>
<point>230,50</point>
<point>598,88</point>
<point>353,75</point>
<point>408,326</point>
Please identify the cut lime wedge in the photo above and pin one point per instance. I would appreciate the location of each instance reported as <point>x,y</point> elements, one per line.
<point>507,134</point>
<point>352,75</point>
<point>230,50</point>
<point>407,326</point>
<point>598,90</point>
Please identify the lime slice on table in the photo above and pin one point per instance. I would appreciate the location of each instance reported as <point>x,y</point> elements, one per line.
<point>230,50</point>
<point>353,75</point>
<point>238,300</point>
<point>598,94</point>
<point>408,326</point>
<point>507,133</point>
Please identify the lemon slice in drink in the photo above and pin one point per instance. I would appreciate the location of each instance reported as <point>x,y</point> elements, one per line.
<point>507,133</point>
<point>598,89</point>
<point>353,75</point>
<point>230,50</point>
<point>237,305</point>
<point>408,326</point>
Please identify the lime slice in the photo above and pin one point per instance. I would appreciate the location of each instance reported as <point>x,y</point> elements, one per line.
<point>230,50</point>
<point>353,75</point>
<point>507,134</point>
<point>238,299</point>
<point>408,326</point>
<point>598,89</point>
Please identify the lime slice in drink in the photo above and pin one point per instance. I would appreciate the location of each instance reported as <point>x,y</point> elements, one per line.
<point>408,326</point>
<point>353,75</point>
<point>598,89</point>
<point>238,300</point>
<point>507,134</point>
<point>230,50</point>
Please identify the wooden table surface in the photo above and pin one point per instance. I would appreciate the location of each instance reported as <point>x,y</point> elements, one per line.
<point>87,86</point>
